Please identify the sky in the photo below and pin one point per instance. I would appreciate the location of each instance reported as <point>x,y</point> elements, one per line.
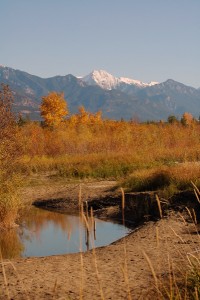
<point>147,40</point>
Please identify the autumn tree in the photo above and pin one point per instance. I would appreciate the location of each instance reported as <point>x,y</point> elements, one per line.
<point>53,109</point>
<point>9,144</point>
<point>9,154</point>
<point>172,119</point>
<point>86,118</point>
<point>187,119</point>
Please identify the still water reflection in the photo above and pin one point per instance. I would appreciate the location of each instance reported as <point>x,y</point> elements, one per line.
<point>43,233</point>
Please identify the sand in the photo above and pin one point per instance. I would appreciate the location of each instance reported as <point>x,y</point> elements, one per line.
<point>125,269</point>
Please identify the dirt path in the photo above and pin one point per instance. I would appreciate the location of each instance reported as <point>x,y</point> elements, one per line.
<point>118,271</point>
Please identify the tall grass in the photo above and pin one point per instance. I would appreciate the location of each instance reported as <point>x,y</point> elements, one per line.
<point>166,179</point>
<point>183,278</point>
<point>78,166</point>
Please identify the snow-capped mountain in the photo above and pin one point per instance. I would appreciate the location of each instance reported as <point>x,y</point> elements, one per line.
<point>116,97</point>
<point>108,82</point>
<point>101,78</point>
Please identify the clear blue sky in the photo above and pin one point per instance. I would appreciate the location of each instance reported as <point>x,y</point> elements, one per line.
<point>149,40</point>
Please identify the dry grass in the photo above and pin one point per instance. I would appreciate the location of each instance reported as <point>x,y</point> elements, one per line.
<point>166,179</point>
<point>108,149</point>
<point>183,280</point>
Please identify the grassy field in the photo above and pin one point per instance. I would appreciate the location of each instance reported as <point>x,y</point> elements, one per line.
<point>144,156</point>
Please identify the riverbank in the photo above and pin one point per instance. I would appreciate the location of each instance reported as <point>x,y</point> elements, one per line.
<point>127,269</point>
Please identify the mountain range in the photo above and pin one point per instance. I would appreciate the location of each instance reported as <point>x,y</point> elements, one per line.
<point>116,97</point>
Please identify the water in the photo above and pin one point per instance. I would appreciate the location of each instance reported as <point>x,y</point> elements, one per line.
<point>44,233</point>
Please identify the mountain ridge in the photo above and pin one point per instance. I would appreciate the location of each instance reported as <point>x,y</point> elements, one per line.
<point>116,97</point>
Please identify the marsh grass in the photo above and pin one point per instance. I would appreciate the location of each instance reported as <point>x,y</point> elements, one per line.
<point>183,280</point>
<point>167,180</point>
<point>88,220</point>
<point>179,283</point>
<point>193,279</point>
<point>78,166</point>
<point>107,149</point>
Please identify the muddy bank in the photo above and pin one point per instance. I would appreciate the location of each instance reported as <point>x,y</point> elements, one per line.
<point>117,271</point>
<point>138,207</point>
<point>105,199</point>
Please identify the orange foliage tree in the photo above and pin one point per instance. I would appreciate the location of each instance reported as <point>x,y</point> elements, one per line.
<point>9,145</point>
<point>86,118</point>
<point>187,119</point>
<point>9,154</point>
<point>53,109</point>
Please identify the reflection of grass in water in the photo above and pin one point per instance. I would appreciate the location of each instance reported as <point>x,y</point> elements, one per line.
<point>10,202</point>
<point>35,219</point>
<point>11,246</point>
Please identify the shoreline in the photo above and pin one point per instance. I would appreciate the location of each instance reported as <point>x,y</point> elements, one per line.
<point>116,271</point>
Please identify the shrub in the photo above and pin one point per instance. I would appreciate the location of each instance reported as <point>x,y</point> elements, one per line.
<point>9,153</point>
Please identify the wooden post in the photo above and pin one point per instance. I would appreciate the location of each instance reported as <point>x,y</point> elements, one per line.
<point>94,230</point>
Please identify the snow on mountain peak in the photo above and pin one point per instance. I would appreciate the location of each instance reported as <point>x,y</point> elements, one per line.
<point>102,78</point>
<point>137,82</point>
<point>108,82</point>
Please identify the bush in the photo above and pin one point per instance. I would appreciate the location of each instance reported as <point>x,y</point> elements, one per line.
<point>146,180</point>
<point>9,153</point>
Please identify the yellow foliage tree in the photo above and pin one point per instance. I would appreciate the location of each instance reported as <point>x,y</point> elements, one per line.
<point>10,151</point>
<point>86,118</point>
<point>187,119</point>
<point>53,109</point>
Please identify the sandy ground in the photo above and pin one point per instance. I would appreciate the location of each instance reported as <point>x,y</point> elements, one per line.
<point>122,270</point>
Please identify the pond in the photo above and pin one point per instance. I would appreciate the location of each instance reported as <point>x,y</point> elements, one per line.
<point>43,233</point>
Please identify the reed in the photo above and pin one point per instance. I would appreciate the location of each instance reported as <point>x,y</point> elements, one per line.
<point>94,257</point>
<point>184,281</point>
<point>4,276</point>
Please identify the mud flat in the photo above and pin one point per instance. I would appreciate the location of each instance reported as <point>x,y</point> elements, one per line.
<point>122,270</point>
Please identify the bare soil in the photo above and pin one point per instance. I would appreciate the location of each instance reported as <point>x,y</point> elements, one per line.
<point>125,269</point>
